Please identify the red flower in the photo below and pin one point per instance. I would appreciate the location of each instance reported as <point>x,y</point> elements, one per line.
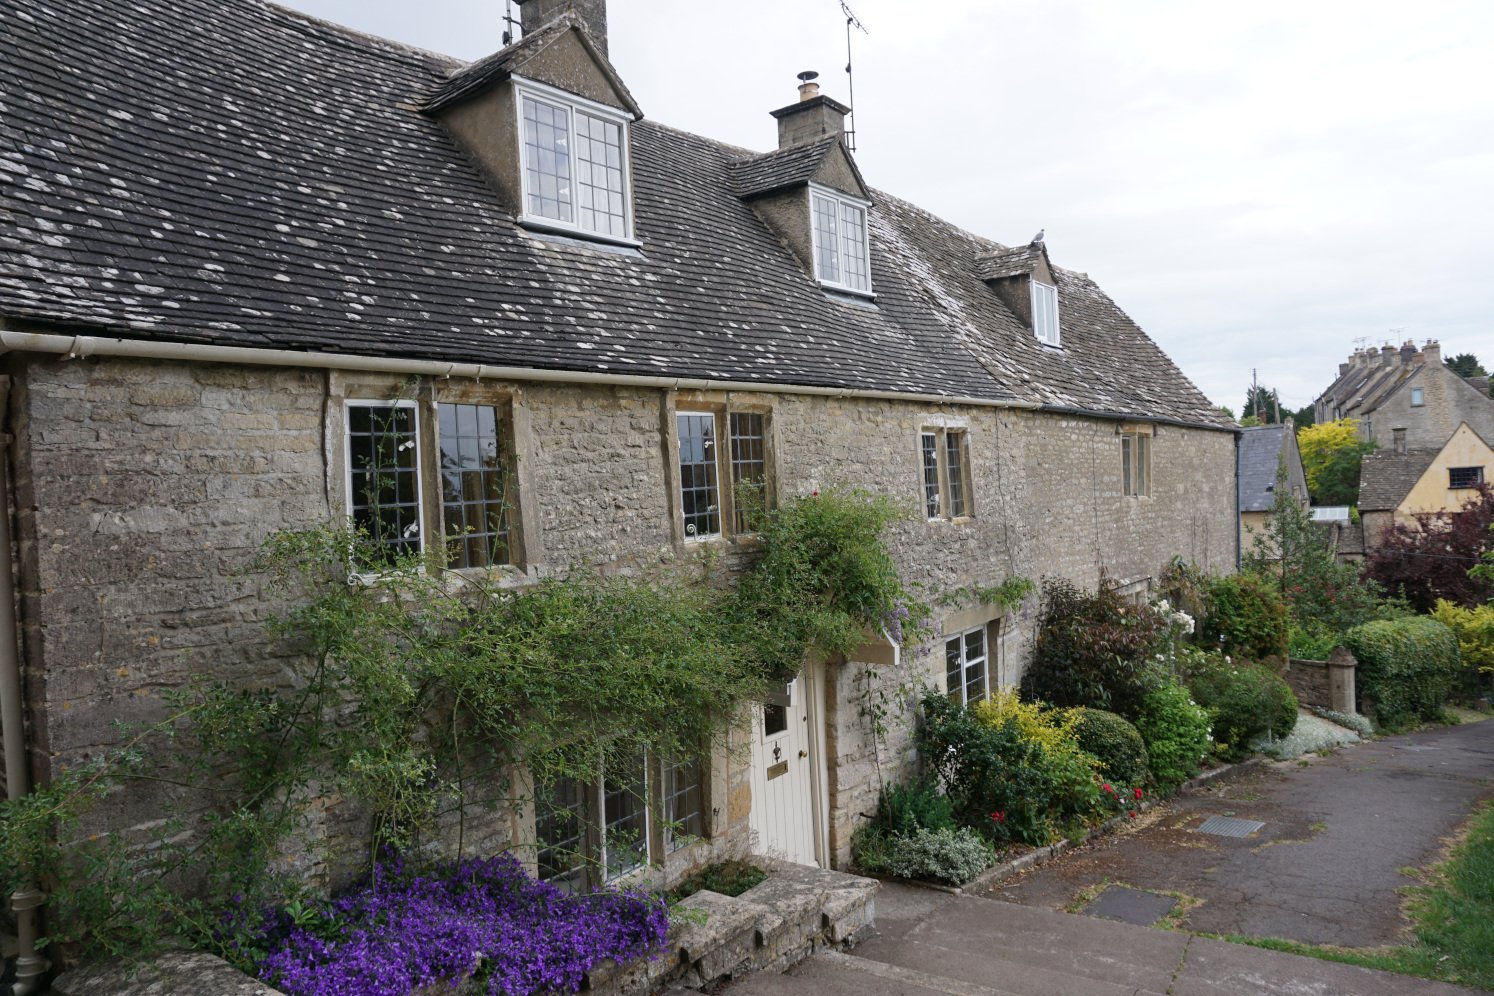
<point>1107,788</point>
<point>1136,793</point>
<point>1133,814</point>
<point>998,817</point>
<point>814,494</point>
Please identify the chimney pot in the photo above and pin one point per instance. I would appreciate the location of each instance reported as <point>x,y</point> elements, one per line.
<point>812,117</point>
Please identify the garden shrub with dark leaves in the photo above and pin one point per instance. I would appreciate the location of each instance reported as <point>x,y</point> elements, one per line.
<point>1116,743</point>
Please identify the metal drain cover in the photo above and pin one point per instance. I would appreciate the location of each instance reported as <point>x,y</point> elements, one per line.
<point>1228,826</point>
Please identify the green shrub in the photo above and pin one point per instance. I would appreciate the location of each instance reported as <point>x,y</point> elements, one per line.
<point>1116,744</point>
<point>1475,631</point>
<point>1246,617</point>
<point>1245,700</point>
<point>918,805</point>
<point>1001,777</point>
<point>950,854</point>
<point>728,878</point>
<point>1092,649</point>
<point>1310,641</point>
<point>1176,732</point>
<point>1407,668</point>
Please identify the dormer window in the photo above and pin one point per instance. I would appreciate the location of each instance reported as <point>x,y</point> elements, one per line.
<point>842,256</point>
<point>1045,313</point>
<point>574,163</point>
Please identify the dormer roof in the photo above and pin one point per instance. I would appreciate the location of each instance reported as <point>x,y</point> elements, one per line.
<point>1013,261</point>
<point>795,166</point>
<point>477,77</point>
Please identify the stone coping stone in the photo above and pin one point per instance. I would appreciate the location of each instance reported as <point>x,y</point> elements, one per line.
<point>175,973</point>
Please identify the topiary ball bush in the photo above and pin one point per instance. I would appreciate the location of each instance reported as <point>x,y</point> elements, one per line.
<point>1116,743</point>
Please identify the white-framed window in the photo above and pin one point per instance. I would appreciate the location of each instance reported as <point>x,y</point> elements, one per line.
<point>842,250</point>
<point>967,672</point>
<point>1418,397</point>
<point>705,507</point>
<point>389,490</point>
<point>573,158</point>
<point>945,457</point>
<point>589,833</point>
<point>1045,313</point>
<point>1136,464</point>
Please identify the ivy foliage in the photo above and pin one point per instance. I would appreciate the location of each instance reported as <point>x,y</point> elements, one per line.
<point>1407,668</point>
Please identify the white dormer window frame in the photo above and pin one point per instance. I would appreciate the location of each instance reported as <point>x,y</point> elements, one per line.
<point>551,179</point>
<point>1045,313</point>
<point>841,240</point>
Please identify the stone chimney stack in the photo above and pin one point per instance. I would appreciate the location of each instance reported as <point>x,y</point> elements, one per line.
<point>535,14</point>
<point>1387,355</point>
<point>1408,353</point>
<point>1432,351</point>
<point>812,117</point>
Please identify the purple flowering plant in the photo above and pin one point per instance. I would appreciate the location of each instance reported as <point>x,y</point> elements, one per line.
<point>483,918</point>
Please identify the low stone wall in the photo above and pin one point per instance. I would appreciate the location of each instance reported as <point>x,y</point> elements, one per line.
<point>1326,684</point>
<point>786,918</point>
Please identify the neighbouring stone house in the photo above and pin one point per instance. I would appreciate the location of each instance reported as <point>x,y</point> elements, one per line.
<point>1406,399</point>
<point>1397,486</point>
<point>241,246</point>
<point>1264,451</point>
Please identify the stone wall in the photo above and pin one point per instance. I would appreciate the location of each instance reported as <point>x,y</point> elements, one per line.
<point>1447,402</point>
<point>1326,684</point>
<point>144,488</point>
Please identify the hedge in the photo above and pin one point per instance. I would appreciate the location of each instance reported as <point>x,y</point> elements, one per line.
<point>1407,668</point>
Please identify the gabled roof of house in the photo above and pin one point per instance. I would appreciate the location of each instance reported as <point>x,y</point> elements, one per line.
<point>1260,453</point>
<point>1386,478</point>
<point>471,79</point>
<point>753,176</point>
<point>234,173</point>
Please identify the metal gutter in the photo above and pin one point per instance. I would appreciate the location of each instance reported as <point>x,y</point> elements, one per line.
<point>26,899</point>
<point>81,346</point>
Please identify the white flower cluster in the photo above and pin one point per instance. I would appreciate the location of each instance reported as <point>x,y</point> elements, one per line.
<point>1176,617</point>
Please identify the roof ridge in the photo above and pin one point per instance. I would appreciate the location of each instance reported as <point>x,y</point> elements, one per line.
<point>356,34</point>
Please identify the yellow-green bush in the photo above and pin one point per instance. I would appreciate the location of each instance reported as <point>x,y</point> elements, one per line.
<point>1475,631</point>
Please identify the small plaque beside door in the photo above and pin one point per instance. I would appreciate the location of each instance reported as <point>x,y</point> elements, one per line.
<point>781,768</point>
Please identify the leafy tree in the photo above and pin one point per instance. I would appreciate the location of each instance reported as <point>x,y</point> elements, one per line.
<point>1304,416</point>
<point>1432,559</point>
<point>1264,404</point>
<point>1467,365</point>
<point>1331,455</point>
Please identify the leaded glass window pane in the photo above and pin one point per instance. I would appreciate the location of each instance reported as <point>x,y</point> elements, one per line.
<point>624,817</point>
<point>1143,465</point>
<point>547,166</point>
<point>599,176</point>
<point>749,463</point>
<point>826,238</point>
<point>684,803</point>
<point>853,235</point>
<point>965,673</point>
<point>931,475</point>
<point>954,469</point>
<point>700,498</point>
<point>560,831</point>
<point>384,478</point>
<point>1126,463</point>
<point>474,466</point>
<point>1045,312</point>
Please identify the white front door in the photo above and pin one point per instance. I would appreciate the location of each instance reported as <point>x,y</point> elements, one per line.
<point>783,814</point>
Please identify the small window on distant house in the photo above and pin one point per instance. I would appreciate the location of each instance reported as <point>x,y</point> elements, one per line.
<point>966,671</point>
<point>1418,396</point>
<point>1136,464</point>
<point>842,258</point>
<point>384,476</point>
<point>1465,477</point>
<point>1045,313</point>
<point>705,506</point>
<point>944,455</point>
<point>574,155</point>
<point>1398,440</point>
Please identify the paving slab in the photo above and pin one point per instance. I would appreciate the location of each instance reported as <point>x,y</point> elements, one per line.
<point>1117,902</point>
<point>1326,866</point>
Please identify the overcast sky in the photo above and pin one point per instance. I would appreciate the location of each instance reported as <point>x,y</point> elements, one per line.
<point>1258,185</point>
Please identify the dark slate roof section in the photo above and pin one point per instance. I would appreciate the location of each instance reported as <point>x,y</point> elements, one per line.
<point>1386,478</point>
<point>790,167</point>
<point>234,173</point>
<point>1259,457</point>
<point>998,264</point>
<point>475,77</point>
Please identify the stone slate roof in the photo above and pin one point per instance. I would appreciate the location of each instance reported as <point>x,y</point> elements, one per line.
<point>1386,478</point>
<point>234,173</point>
<point>754,176</point>
<point>1260,453</point>
<point>999,264</point>
<point>479,75</point>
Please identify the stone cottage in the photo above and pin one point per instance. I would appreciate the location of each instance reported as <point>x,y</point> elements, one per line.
<point>247,255</point>
<point>1406,398</point>
<point>1398,487</point>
